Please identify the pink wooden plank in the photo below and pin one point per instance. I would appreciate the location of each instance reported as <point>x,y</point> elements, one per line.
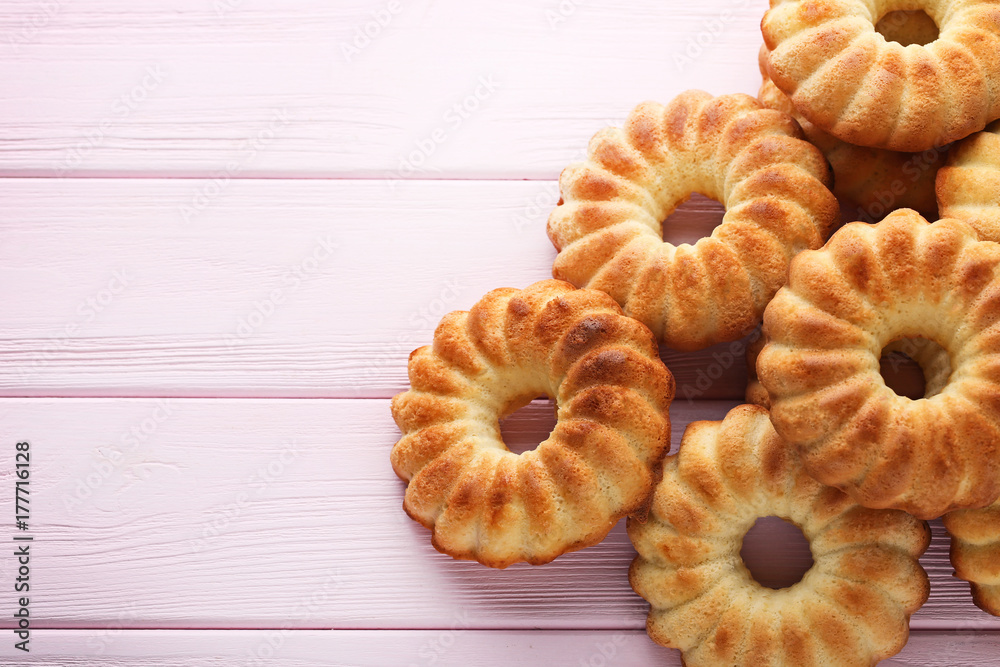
<point>451,645</point>
<point>236,88</point>
<point>275,288</point>
<point>233,513</point>
<point>454,644</point>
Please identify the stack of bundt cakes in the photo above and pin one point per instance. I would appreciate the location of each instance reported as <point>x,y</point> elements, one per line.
<point>893,107</point>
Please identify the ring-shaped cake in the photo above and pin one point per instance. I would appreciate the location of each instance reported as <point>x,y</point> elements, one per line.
<point>851,607</point>
<point>968,186</point>
<point>600,462</point>
<point>608,227</point>
<point>869,287</point>
<point>872,181</point>
<point>853,83</point>
<point>975,553</point>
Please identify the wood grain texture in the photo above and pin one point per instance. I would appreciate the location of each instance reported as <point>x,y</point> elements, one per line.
<point>271,87</point>
<point>450,646</point>
<point>274,288</point>
<point>190,513</point>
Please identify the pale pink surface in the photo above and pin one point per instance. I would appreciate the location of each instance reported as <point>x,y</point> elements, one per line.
<point>201,342</point>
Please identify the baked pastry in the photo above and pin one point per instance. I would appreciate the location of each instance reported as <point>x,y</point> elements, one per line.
<point>975,553</point>
<point>849,81</point>
<point>851,608</point>
<point>968,186</point>
<point>902,278</point>
<point>600,462</point>
<point>872,182</point>
<point>608,225</point>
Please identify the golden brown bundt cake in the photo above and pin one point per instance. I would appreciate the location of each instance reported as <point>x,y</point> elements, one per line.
<point>849,81</point>
<point>600,462</point>
<point>871,181</point>
<point>851,608</point>
<point>968,186</point>
<point>869,286</point>
<point>608,227</point>
<point>975,553</point>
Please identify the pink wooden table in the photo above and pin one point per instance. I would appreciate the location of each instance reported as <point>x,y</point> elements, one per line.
<point>225,224</point>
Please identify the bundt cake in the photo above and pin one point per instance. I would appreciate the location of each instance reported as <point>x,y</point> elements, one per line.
<point>872,182</point>
<point>968,186</point>
<point>975,553</point>
<point>853,83</point>
<point>601,460</point>
<point>871,285</point>
<point>608,227</point>
<point>851,608</point>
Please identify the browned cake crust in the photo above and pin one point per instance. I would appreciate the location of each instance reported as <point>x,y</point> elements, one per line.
<point>975,553</point>
<point>851,82</point>
<point>608,226</point>
<point>600,462</point>
<point>851,608</point>
<point>872,182</point>
<point>968,186</point>
<point>869,286</point>
<point>933,360</point>
<point>755,394</point>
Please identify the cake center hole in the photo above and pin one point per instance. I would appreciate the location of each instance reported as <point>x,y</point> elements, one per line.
<point>915,367</point>
<point>908,26</point>
<point>525,428</point>
<point>776,553</point>
<point>693,220</point>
